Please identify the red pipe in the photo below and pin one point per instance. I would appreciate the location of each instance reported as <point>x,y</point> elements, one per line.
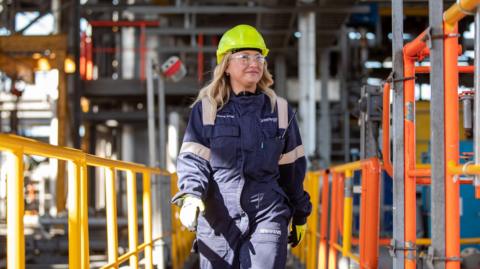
<point>386,130</point>
<point>452,216</point>
<point>200,59</point>
<point>88,58</point>
<point>142,52</point>
<point>124,23</point>
<point>83,62</point>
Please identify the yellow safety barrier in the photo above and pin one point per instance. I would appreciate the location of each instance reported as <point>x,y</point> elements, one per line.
<point>181,238</point>
<point>306,251</point>
<point>16,147</point>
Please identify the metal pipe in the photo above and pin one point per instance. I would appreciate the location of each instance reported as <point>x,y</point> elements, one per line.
<point>323,244</point>
<point>410,198</point>
<point>132,218</point>
<point>147,220</point>
<point>397,129</point>
<point>370,190</point>
<point>452,207</point>
<point>152,148</point>
<point>461,69</point>
<point>458,11</point>
<point>15,202</point>
<point>332,255</point>
<point>161,187</point>
<point>325,134</point>
<point>85,253</point>
<point>124,23</point>
<point>347,213</point>
<point>74,257</point>
<point>476,102</point>
<point>111,208</point>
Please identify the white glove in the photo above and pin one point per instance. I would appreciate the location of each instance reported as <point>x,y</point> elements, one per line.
<point>189,212</point>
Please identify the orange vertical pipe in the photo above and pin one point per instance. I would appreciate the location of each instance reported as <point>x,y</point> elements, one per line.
<point>332,254</point>
<point>340,192</point>
<point>88,58</point>
<point>322,250</point>
<point>363,213</point>
<point>409,155</point>
<point>83,67</point>
<point>372,222</point>
<point>452,216</point>
<point>386,130</point>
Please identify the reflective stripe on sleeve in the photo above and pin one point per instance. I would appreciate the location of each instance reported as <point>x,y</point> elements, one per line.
<point>282,107</point>
<point>197,149</point>
<point>292,156</point>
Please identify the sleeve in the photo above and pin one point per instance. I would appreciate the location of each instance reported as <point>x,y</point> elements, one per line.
<point>193,167</point>
<point>293,165</point>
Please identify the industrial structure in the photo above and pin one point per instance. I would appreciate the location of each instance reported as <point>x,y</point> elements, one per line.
<point>95,97</point>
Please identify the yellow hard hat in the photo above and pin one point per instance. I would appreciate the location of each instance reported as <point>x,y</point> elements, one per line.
<point>240,37</point>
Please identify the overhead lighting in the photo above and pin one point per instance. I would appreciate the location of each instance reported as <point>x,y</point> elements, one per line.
<point>69,65</point>
<point>111,123</point>
<point>43,64</point>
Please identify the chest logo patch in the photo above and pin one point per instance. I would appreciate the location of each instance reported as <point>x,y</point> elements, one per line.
<point>269,120</point>
<point>226,116</point>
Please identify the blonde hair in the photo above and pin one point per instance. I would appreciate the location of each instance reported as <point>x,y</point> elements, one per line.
<point>218,90</point>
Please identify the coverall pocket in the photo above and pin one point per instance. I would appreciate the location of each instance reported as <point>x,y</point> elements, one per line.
<point>224,144</point>
<point>271,150</point>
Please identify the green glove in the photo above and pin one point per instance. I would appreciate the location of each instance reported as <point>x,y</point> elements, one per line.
<point>189,212</point>
<point>297,234</point>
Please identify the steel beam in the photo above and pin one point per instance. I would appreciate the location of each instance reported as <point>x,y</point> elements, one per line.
<point>398,140</point>
<point>437,132</point>
<point>155,9</point>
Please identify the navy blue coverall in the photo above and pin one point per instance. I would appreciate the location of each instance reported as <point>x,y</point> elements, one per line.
<point>249,173</point>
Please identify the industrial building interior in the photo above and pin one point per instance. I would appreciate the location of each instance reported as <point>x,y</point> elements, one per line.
<point>387,109</point>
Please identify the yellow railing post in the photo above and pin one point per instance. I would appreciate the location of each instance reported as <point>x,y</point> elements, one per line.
<point>74,229</point>
<point>15,211</point>
<point>147,220</point>
<point>347,214</point>
<point>132,218</point>
<point>111,207</point>
<point>85,254</point>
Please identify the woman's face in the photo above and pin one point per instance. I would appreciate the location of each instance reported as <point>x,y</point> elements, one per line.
<point>245,69</point>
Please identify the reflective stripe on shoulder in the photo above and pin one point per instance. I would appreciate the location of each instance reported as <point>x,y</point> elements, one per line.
<point>282,107</point>
<point>208,112</point>
<point>196,149</point>
<point>292,156</point>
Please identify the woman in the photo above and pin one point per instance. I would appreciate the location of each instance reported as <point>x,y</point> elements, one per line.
<point>241,166</point>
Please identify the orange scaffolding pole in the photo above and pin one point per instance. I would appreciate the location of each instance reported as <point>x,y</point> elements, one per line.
<point>332,253</point>
<point>452,216</point>
<point>411,52</point>
<point>323,246</point>
<point>370,196</point>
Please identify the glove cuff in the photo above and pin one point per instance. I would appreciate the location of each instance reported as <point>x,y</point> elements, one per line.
<point>299,220</point>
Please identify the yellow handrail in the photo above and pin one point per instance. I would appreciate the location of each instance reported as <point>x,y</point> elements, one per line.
<point>16,147</point>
